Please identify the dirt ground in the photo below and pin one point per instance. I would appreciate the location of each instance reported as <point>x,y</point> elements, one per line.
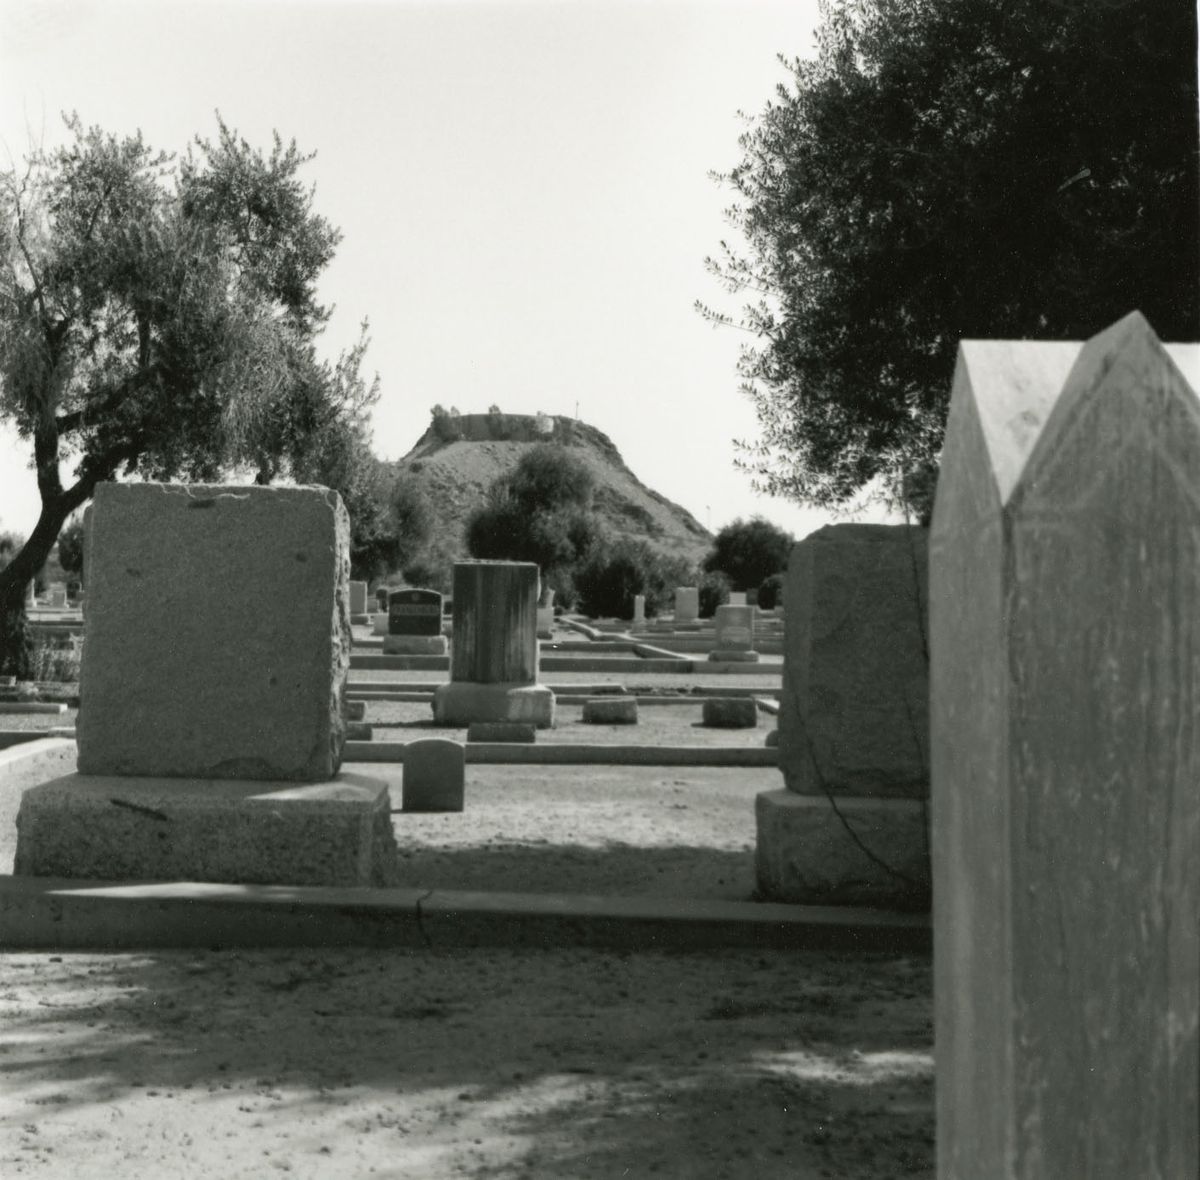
<point>487,1064</point>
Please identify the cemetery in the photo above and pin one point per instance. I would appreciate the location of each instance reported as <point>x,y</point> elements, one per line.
<point>966,760</point>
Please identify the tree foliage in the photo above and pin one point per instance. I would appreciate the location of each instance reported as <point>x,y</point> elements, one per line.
<point>940,171</point>
<point>749,551</point>
<point>539,511</point>
<point>156,315</point>
<point>615,573</point>
<point>70,548</point>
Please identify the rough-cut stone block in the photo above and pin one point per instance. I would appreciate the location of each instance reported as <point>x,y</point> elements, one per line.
<point>495,623</point>
<point>217,632</point>
<point>809,850</point>
<point>434,775</point>
<point>501,731</point>
<point>414,645</point>
<point>1065,644</point>
<point>118,828</point>
<point>854,713</point>
<point>461,703</point>
<point>610,711</point>
<point>730,712</point>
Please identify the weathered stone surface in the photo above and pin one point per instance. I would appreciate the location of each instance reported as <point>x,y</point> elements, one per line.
<point>434,775</point>
<point>415,645</point>
<point>217,632</point>
<point>495,623</point>
<point>730,712</point>
<point>121,828</point>
<point>735,627</point>
<point>461,702</point>
<point>687,604</point>
<point>810,853</point>
<point>501,731</point>
<point>854,714</point>
<point>1065,640</point>
<point>610,711</point>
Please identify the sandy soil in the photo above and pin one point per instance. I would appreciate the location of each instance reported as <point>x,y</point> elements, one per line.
<point>547,1064</point>
<point>551,1064</point>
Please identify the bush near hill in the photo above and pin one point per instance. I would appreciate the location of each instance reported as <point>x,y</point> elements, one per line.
<point>714,592</point>
<point>770,593</point>
<point>615,573</point>
<point>541,511</point>
<point>749,551</point>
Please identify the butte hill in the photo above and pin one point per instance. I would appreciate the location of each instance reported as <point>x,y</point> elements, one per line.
<point>460,456</point>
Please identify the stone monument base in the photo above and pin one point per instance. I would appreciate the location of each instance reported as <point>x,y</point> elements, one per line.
<point>414,645</point>
<point>804,854</point>
<point>734,657</point>
<point>462,701</point>
<point>236,831</point>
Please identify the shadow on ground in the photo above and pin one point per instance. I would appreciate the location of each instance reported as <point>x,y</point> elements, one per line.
<point>550,1064</point>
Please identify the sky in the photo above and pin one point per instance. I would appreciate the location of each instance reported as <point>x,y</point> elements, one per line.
<point>523,190</point>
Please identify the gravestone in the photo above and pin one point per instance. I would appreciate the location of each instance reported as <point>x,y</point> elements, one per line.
<point>434,775</point>
<point>494,657</point>
<point>737,598</point>
<point>639,609</point>
<point>853,724</point>
<point>730,713</point>
<point>614,710</point>
<point>501,731</point>
<point>58,595</point>
<point>415,623</point>
<point>358,602</point>
<point>687,604</point>
<point>381,598</point>
<point>211,729</point>
<point>545,622</point>
<point>1065,607</point>
<point>735,635</point>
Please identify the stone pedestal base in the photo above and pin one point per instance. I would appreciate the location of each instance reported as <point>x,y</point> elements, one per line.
<point>236,831</point>
<point>462,701</point>
<point>414,645</point>
<point>734,657</point>
<point>805,855</point>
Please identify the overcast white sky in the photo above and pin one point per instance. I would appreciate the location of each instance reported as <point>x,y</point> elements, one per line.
<point>522,187</point>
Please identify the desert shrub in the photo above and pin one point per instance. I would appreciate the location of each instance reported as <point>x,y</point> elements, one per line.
<point>714,592</point>
<point>770,593</point>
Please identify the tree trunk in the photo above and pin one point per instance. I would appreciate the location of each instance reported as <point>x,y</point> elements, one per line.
<point>16,643</point>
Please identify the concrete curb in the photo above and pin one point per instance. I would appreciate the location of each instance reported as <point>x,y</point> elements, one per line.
<point>580,755</point>
<point>46,914</point>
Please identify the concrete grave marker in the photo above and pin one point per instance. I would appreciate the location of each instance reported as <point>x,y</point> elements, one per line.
<point>211,728</point>
<point>358,601</point>
<point>687,604</point>
<point>414,623</point>
<point>1065,644</point>
<point>494,658</point>
<point>853,724</point>
<point>639,609</point>
<point>735,635</point>
<point>180,674</point>
<point>434,775</point>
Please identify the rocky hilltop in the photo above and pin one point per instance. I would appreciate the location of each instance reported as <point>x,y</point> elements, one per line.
<point>460,455</point>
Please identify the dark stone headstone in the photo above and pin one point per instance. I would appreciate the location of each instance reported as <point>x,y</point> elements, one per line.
<point>414,612</point>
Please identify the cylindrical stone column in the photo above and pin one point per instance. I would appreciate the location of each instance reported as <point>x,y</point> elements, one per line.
<point>495,622</point>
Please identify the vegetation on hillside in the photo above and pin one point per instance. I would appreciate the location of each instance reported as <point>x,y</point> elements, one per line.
<point>747,552</point>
